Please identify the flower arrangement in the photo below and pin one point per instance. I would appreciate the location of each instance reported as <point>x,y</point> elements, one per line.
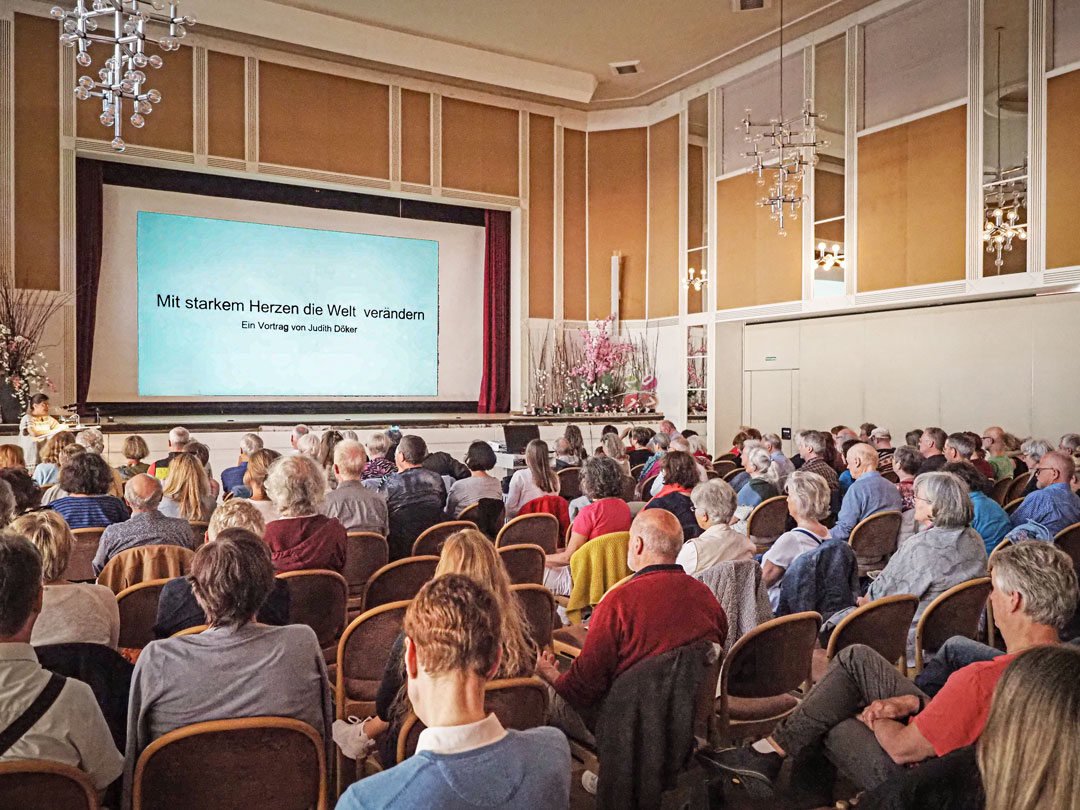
<point>24,315</point>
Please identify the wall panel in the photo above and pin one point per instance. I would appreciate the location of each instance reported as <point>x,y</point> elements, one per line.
<point>575,237</point>
<point>344,126</point>
<point>664,218</point>
<point>618,216</point>
<point>696,181</point>
<point>479,147</point>
<point>541,216</point>
<point>226,110</point>
<point>912,202</point>
<point>1062,175</point>
<point>416,137</point>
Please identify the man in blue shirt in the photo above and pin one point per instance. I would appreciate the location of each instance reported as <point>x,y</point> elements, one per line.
<point>868,494</point>
<point>232,479</point>
<point>464,759</point>
<point>1053,504</point>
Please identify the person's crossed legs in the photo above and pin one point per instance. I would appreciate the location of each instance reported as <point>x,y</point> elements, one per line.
<point>956,653</point>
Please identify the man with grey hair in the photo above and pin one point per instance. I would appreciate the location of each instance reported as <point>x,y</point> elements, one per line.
<point>178,439</point>
<point>667,427</point>
<point>1070,443</point>
<point>932,447</point>
<point>297,432</point>
<point>146,526</point>
<point>1054,504</point>
<point>959,447</point>
<point>358,508</point>
<point>868,494</point>
<point>784,467</point>
<point>415,496</point>
<point>811,449</point>
<point>1033,450</point>
<point>564,457</point>
<point>232,478</point>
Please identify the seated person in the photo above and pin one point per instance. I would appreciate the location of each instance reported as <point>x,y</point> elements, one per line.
<point>990,520</point>
<point>72,729</point>
<point>37,422</point>
<point>932,449</point>
<point>237,668</point>
<point>871,721</point>
<point>146,526</point>
<point>94,442</point>
<point>536,480</point>
<point>658,444</point>
<point>464,492</point>
<point>302,538</point>
<point>134,451</point>
<point>634,622</point>
<point>415,496</point>
<point>187,489</point>
<point>178,439</point>
<point>64,457</point>
<point>378,466</point>
<point>714,506</point>
<point>601,481</point>
<point>683,446</point>
<point>564,457</point>
<point>87,478</point>
<point>639,451</point>
<point>83,612</point>
<point>613,448</point>
<point>808,503</point>
<point>680,478</point>
<point>26,493</point>
<point>47,472</point>
<point>258,468</point>
<point>464,758</point>
<point>232,478</point>
<point>356,507</point>
<point>178,609</point>
<point>868,494</point>
<point>760,483</point>
<point>812,450</point>
<point>1053,504</point>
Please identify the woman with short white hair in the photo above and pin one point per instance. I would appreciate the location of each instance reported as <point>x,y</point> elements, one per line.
<point>808,499</point>
<point>378,466</point>
<point>302,538</point>
<point>714,505</point>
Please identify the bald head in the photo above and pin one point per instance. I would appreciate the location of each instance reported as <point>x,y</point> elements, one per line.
<point>993,440</point>
<point>1055,468</point>
<point>861,458</point>
<point>143,493</point>
<point>656,536</point>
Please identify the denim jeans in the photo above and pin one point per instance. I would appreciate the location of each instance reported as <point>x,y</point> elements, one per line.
<point>956,653</point>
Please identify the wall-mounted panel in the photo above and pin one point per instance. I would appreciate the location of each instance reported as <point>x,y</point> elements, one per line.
<point>697,177</point>
<point>911,225</point>
<point>37,154</point>
<point>328,123</point>
<point>575,234</point>
<point>755,264</point>
<point>829,204</point>
<point>618,218</point>
<point>664,218</point>
<point>1062,175</point>
<point>226,109</point>
<point>479,147</point>
<point>172,123</point>
<point>541,216</point>
<point>415,137</point>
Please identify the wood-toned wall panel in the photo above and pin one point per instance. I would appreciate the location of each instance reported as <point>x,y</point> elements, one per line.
<point>1062,175</point>
<point>37,154</point>
<point>416,137</point>
<point>327,123</point>
<point>756,265</point>
<point>696,177</point>
<point>618,218</point>
<point>664,219</point>
<point>828,195</point>
<point>225,121</point>
<point>479,147</point>
<point>541,216</point>
<point>172,123</point>
<point>575,239</point>
<point>912,203</point>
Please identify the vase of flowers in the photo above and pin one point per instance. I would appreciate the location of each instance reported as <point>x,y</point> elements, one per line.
<point>24,315</point>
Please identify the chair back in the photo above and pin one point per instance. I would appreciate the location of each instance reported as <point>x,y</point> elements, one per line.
<point>365,553</point>
<point>145,563</point>
<point>432,538</point>
<point>318,599</point>
<point>361,657</point>
<point>399,581</point>
<point>635,471</point>
<point>524,563</point>
<point>595,568</point>
<point>80,564</point>
<point>1000,492</point>
<point>723,466</point>
<point>1019,484</point>
<point>225,764</point>
<point>1010,506</point>
<point>198,531</point>
<point>191,631</point>
<point>874,538</point>
<point>882,625</point>
<point>767,521</point>
<point>1068,540</point>
<point>538,605</point>
<point>891,477</point>
<point>487,513</point>
<point>730,474</point>
<point>954,613</point>
<point>569,482</point>
<point>138,613</point>
<point>646,487</point>
<point>540,529</point>
<point>51,785</point>
<point>711,474</point>
<point>732,457</point>
<point>772,659</point>
<point>549,504</point>
<point>629,485</point>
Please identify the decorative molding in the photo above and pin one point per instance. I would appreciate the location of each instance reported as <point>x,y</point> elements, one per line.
<point>395,136</point>
<point>415,188</point>
<point>974,244</point>
<point>558,217</point>
<point>324,177</point>
<point>854,42</point>
<point>436,144</point>
<point>1063,275</point>
<point>97,148</point>
<point>251,114</point>
<point>7,147</point>
<point>906,119</point>
<point>807,215</point>
<point>492,200</point>
<point>229,164</point>
<point>1038,40</point>
<point>684,209</point>
<point>200,104</point>
<point>716,124</point>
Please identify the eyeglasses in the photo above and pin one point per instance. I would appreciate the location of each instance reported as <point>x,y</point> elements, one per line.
<point>921,498</point>
<point>1037,470</point>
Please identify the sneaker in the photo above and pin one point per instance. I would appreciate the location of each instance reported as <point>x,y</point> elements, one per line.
<point>350,737</point>
<point>746,764</point>
<point>588,781</point>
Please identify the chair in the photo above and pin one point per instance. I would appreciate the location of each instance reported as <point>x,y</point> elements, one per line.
<point>138,613</point>
<point>198,531</point>
<point>891,477</point>
<point>954,613</point>
<point>540,529</point>
<point>723,466</point>
<point>524,563</point>
<point>399,581</point>
<point>767,521</point>
<point>431,539</point>
<point>595,568</point>
<point>647,485</point>
<point>52,785</point>
<point>568,640</point>
<point>635,471</point>
<point>318,598</point>
<point>1068,540</point>
<point>489,514</point>
<point>732,457</point>
<point>874,539</point>
<point>730,474</point>
<point>551,505</point>
<point>758,675</point>
<point>1010,506</point>
<point>629,485</point>
<point>365,553</point>
<point>882,625</point>
<point>273,763</point>
<point>569,482</point>
<point>711,474</point>
<point>79,567</point>
<point>1000,492</point>
<point>538,605</point>
<point>190,631</point>
<point>1019,484</point>
<point>145,563</point>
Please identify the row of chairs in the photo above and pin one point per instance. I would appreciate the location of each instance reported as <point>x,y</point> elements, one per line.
<point>80,568</point>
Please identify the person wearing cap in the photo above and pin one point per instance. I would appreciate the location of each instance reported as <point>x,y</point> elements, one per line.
<point>881,439</point>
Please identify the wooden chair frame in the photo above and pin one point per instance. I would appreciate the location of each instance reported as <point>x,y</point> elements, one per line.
<point>133,589</point>
<point>1011,506</point>
<point>518,547</point>
<point>448,526</point>
<point>59,769</point>
<point>333,576</point>
<point>500,538</point>
<point>390,566</point>
<point>868,521</point>
<point>531,588</point>
<point>1019,484</point>
<point>83,535</point>
<point>1000,490</point>
<point>576,471</point>
<point>761,547</point>
<point>920,628</point>
<point>859,613</point>
<point>356,588</point>
<point>191,631</point>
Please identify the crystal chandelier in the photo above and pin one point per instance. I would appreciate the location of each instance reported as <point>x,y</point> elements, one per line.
<point>828,258</point>
<point>122,76</point>
<point>695,279</point>
<point>783,148</point>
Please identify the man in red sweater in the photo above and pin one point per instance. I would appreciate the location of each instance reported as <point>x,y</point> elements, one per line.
<point>660,609</point>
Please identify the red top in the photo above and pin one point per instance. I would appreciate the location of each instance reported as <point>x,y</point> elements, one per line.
<point>603,517</point>
<point>303,543</point>
<point>660,609</point>
<point>983,466</point>
<point>957,714</point>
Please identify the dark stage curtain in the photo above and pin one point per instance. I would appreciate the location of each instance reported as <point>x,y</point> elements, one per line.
<point>495,385</point>
<point>88,204</point>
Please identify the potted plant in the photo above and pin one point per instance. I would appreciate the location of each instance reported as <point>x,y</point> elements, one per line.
<point>24,315</point>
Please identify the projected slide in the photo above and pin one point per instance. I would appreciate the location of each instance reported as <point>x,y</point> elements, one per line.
<point>244,309</point>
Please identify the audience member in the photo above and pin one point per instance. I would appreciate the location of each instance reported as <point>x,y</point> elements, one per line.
<point>812,448</point>
<point>680,477</point>
<point>80,613</point>
<point>681,445</point>
<point>26,493</point>
<point>714,506</point>
<point>302,538</point>
<point>202,453</point>
<point>296,433</point>
<point>881,440</point>
<point>912,437</point>
<point>993,440</point>
<point>958,447</point>
<point>12,456</point>
<point>94,442</point>
<point>576,441</point>
<point>134,451</point>
<point>47,472</point>
<point>1070,444</point>
<point>464,757</point>
<point>415,497</point>
<point>989,520</point>
<point>147,526</point>
<point>658,444</point>
<point>775,445</point>
<point>356,507</point>
<point>536,480</point>
<point>931,447</point>
<point>1054,504</point>
<point>187,490</point>
<point>308,445</point>
<point>667,427</point>
<point>464,492</point>
<point>55,492</point>
<point>87,478</point>
<point>448,467</point>
<point>327,442</point>
<point>564,456</point>
<point>378,466</point>
<point>906,462</point>
<point>845,480</point>
<point>808,499</point>
<point>1032,451</point>
<point>7,499</point>
<point>763,482</point>
<point>639,451</point>
<point>178,439</point>
<point>71,728</point>
<point>614,449</point>
<point>258,468</point>
<point>868,494</point>
<point>232,478</point>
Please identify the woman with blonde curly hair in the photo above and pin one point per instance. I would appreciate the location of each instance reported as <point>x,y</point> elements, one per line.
<point>187,490</point>
<point>47,472</point>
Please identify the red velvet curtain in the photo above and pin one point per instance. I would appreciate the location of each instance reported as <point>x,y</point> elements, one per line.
<point>495,385</point>
<point>88,224</point>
